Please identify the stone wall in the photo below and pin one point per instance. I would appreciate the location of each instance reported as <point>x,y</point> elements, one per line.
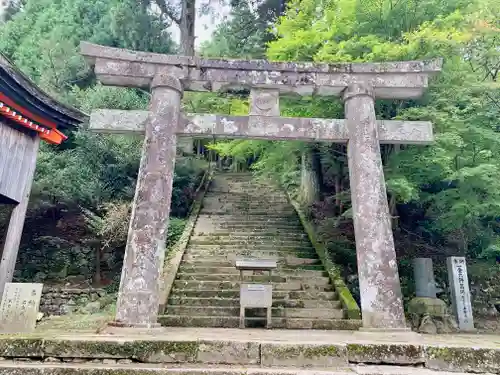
<point>61,301</point>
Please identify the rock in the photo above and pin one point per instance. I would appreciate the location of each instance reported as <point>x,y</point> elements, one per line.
<point>39,316</point>
<point>108,361</point>
<point>51,360</point>
<point>427,326</point>
<point>124,361</point>
<point>451,323</point>
<point>39,277</point>
<point>492,312</point>
<point>427,306</point>
<point>65,309</point>
<point>92,307</point>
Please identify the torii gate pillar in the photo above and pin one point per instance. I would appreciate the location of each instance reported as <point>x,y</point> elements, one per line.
<point>381,301</point>
<point>138,297</point>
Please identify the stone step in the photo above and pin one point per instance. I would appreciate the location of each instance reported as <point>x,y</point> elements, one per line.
<point>205,239</point>
<point>246,192</point>
<point>227,265</point>
<point>266,217</point>
<point>293,367</point>
<point>253,278</point>
<point>249,252</point>
<point>243,208</point>
<point>295,285</point>
<point>235,302</point>
<point>285,244</point>
<point>247,199</point>
<point>232,255</point>
<point>251,219</point>
<point>225,262</point>
<point>269,222</point>
<point>221,203</point>
<point>261,227</point>
<point>235,311</point>
<point>263,234</point>
<point>235,293</point>
<point>233,271</point>
<point>267,212</point>
<point>234,322</point>
<point>276,235</point>
<point>229,247</point>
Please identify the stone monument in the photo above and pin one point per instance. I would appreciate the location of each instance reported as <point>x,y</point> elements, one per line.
<point>19,307</point>
<point>460,293</point>
<point>429,314</point>
<point>359,84</point>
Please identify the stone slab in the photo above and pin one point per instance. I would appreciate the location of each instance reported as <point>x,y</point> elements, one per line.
<point>306,129</point>
<point>147,351</point>
<point>39,368</point>
<point>303,355</point>
<point>423,271</point>
<point>376,353</point>
<point>318,349</point>
<point>19,307</point>
<point>255,264</point>
<point>460,292</point>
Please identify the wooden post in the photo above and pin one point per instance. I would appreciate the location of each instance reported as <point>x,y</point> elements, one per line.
<point>16,222</point>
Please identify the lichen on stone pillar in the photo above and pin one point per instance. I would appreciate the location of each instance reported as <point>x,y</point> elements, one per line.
<point>138,296</point>
<point>380,289</point>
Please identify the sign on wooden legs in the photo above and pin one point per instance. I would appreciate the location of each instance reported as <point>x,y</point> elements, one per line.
<point>19,307</point>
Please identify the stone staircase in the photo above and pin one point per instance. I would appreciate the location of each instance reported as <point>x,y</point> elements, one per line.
<point>241,217</point>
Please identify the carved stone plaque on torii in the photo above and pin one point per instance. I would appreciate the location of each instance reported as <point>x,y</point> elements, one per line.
<point>359,85</point>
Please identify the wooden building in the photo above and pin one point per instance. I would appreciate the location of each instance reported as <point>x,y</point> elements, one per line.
<point>27,115</point>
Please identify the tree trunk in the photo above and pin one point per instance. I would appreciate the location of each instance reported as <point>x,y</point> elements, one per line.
<point>97,274</point>
<point>187,27</point>
<point>311,176</point>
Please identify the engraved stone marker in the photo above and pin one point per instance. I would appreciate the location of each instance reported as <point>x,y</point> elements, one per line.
<point>460,293</point>
<point>423,272</point>
<point>19,308</point>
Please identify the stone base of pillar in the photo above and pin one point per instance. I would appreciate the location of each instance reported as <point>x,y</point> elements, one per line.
<point>430,315</point>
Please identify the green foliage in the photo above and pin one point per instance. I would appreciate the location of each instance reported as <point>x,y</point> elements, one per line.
<point>446,192</point>
<point>43,38</point>
<point>175,229</point>
<point>90,174</point>
<point>241,36</point>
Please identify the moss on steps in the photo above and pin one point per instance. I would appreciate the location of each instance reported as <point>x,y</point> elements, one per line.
<point>349,304</point>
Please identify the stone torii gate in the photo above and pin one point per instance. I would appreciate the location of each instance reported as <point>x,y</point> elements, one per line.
<point>168,76</point>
